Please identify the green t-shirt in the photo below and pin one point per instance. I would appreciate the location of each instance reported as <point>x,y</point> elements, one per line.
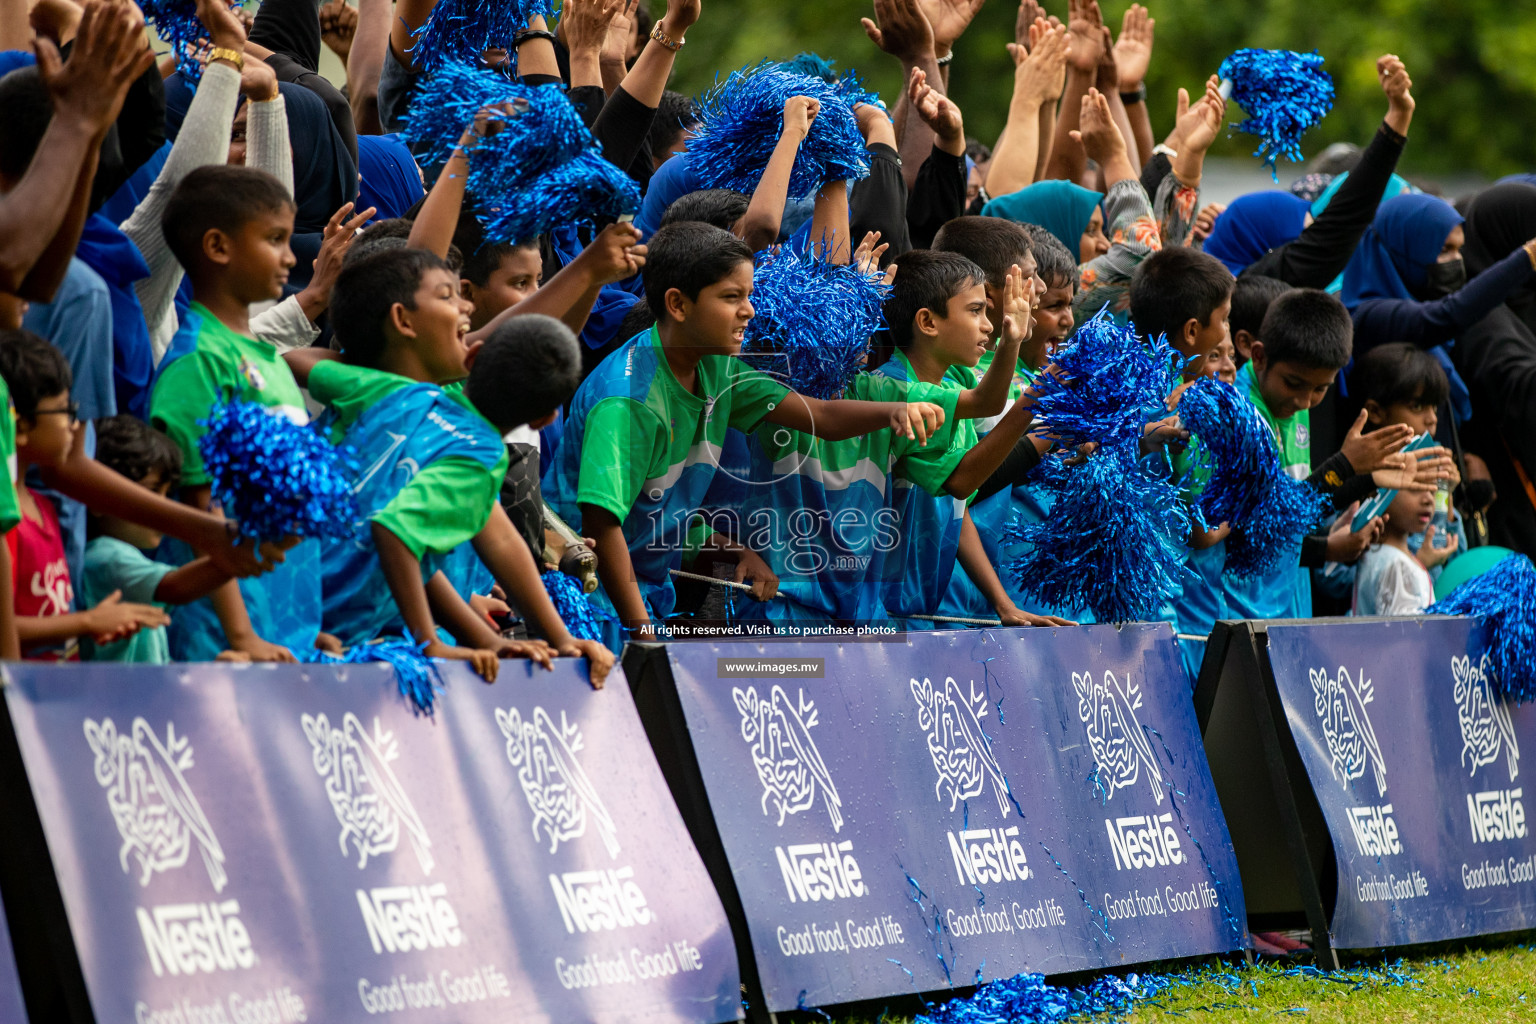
<point>930,466</point>
<point>1294,434</point>
<point>10,512</point>
<point>224,365</point>
<point>451,497</point>
<point>112,564</point>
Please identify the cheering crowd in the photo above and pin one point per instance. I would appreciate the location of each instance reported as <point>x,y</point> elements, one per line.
<point>225,223</point>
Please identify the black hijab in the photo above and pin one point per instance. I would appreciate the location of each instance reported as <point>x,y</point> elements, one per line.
<point>1499,221</point>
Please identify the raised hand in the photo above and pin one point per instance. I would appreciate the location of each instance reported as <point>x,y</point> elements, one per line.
<point>108,55</point>
<point>224,26</point>
<point>1029,12</point>
<point>1018,306</point>
<point>258,82</point>
<point>902,31</point>
<point>621,29</point>
<point>1100,137</point>
<point>1201,121</point>
<point>867,256</point>
<point>799,112</point>
<point>938,112</point>
<point>340,232</point>
<point>338,26</point>
<point>586,23</point>
<point>1369,452</point>
<point>1040,74</point>
<point>1397,85</point>
<point>1085,25</point>
<point>680,17</point>
<point>950,19</point>
<point>617,253</point>
<point>1133,50</point>
<point>1205,221</point>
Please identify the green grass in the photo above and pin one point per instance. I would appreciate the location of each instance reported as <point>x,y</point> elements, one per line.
<point>1467,983</point>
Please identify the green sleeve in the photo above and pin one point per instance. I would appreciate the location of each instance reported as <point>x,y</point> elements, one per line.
<point>10,512</point>
<point>753,394</point>
<point>351,390</point>
<point>619,445</point>
<point>443,506</point>
<point>930,465</point>
<point>185,393</point>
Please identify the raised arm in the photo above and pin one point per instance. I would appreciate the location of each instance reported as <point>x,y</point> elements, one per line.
<point>903,31</point>
<point>759,226</point>
<point>1086,38</point>
<point>1038,79</point>
<point>1133,56</point>
<point>365,64</point>
<point>1101,140</point>
<point>614,255</point>
<point>990,396</point>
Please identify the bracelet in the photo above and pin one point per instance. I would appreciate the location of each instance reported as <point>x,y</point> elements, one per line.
<point>235,57</point>
<point>942,61</point>
<point>531,33</point>
<point>1165,150</point>
<point>1133,98</point>
<point>665,40</point>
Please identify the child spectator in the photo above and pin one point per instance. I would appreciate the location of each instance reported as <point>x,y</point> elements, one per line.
<point>229,227</point>
<point>118,557</point>
<point>639,447</point>
<point>1185,295</point>
<point>46,429</point>
<point>1390,579</point>
<point>1251,297</point>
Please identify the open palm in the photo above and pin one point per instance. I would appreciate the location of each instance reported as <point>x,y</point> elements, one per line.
<point>949,18</point>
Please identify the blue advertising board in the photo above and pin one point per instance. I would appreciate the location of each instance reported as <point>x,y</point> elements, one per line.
<point>284,844</point>
<point>961,806</point>
<point>12,1007</point>
<point>1415,762</point>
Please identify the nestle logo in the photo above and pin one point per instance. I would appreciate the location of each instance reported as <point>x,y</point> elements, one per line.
<point>401,918</point>
<point>191,938</point>
<point>595,901</point>
<point>1496,814</point>
<point>1144,841</point>
<point>1375,831</point>
<point>820,871</point>
<point>988,855</point>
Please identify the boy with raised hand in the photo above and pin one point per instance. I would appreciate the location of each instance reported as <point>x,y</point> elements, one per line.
<point>937,314</point>
<point>639,448</point>
<point>229,228</point>
<point>433,458</point>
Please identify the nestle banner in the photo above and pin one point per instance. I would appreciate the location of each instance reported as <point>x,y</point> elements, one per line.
<point>284,844</point>
<point>903,817</point>
<point>1415,762</point>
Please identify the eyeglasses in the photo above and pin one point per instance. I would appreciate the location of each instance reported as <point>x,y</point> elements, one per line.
<point>72,411</point>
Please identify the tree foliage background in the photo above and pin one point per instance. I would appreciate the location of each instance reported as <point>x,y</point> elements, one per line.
<point>1473,63</point>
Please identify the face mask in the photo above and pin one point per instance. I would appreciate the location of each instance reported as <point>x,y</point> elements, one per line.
<point>1445,277</point>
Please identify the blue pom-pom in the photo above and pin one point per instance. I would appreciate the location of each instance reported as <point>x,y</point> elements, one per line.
<point>814,319</point>
<point>847,83</point>
<point>462,30</point>
<point>1284,93</point>
<point>1114,542</point>
<point>176,22</point>
<point>1028,998</point>
<point>1504,596</point>
<point>274,477</point>
<point>416,675</point>
<point>1111,385</point>
<point>583,190</point>
<point>740,121</point>
<point>572,606</point>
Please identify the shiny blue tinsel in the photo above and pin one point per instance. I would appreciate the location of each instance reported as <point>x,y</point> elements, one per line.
<point>572,606</point>
<point>275,478</point>
<point>1505,596</point>
<point>416,674</point>
<point>176,22</point>
<point>1115,539</point>
<point>1112,384</point>
<point>462,30</point>
<point>1284,93</point>
<point>1027,999</point>
<point>847,83</point>
<point>814,318</point>
<point>740,122</point>
<point>582,190</point>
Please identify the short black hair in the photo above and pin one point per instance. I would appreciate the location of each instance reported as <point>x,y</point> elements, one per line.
<point>926,279</point>
<point>366,290</point>
<point>219,197</point>
<point>1309,327</point>
<point>1250,301</point>
<point>1175,285</point>
<point>722,207</point>
<point>529,367</point>
<point>394,233</point>
<point>486,260</point>
<point>689,256</point>
<point>129,446</point>
<point>33,369</point>
<point>1399,372</point>
<point>638,318</point>
<point>26,110</point>
<point>992,243</point>
<point>674,115</point>
<point>1054,262</point>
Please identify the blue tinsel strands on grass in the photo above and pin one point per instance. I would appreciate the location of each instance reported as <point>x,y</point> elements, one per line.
<point>740,121</point>
<point>571,605</point>
<point>416,674</point>
<point>462,30</point>
<point>1027,998</point>
<point>1112,384</point>
<point>1284,93</point>
<point>1506,597</point>
<point>814,317</point>
<point>1114,542</point>
<point>275,478</point>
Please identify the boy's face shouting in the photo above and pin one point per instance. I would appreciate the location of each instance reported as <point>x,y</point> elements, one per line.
<point>1053,324</point>
<point>717,320</point>
<point>439,322</point>
<point>964,333</point>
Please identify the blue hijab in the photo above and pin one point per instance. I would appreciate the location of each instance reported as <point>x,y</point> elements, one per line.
<point>1062,208</point>
<point>113,255</point>
<point>1253,225</point>
<point>387,176</point>
<point>1395,253</point>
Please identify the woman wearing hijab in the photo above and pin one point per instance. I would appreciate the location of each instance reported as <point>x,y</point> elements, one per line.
<point>1070,212</point>
<point>324,175</point>
<point>1253,225</point>
<point>387,176</point>
<point>1497,358</point>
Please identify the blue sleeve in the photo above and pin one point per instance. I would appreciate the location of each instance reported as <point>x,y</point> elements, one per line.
<point>1427,324</point>
<point>79,323</point>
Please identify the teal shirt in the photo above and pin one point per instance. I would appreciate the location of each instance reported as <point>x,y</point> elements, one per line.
<point>112,564</point>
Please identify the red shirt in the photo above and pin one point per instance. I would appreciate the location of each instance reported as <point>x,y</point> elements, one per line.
<point>40,575</point>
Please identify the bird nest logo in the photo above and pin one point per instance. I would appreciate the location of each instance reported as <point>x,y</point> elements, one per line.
<point>560,795</point>
<point>370,804</point>
<point>156,813</point>
<point>961,752</point>
<point>788,764</point>
<point>1121,750</point>
<point>1486,729</point>
<point>1340,705</point>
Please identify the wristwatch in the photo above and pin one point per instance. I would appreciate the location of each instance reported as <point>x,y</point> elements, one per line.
<point>235,57</point>
<point>665,40</point>
<point>1132,98</point>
